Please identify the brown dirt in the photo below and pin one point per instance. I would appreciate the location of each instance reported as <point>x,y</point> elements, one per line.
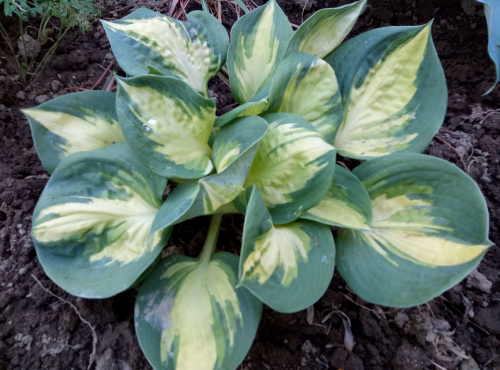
<point>461,329</point>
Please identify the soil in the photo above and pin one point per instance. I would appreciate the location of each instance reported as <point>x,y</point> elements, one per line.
<point>460,329</point>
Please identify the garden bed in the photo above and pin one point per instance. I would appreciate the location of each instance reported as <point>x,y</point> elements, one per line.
<point>461,329</point>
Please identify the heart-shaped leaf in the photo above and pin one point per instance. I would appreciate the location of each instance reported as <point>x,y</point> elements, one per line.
<point>167,125</point>
<point>289,267</point>
<point>429,230</point>
<point>193,51</point>
<point>393,90</point>
<point>92,222</point>
<point>189,315</point>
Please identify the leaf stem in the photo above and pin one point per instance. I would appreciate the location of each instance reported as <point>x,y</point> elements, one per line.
<point>39,69</point>
<point>204,6</point>
<point>211,240</point>
<point>24,43</point>
<point>40,28</point>
<point>242,5</point>
<point>5,35</point>
<point>226,81</point>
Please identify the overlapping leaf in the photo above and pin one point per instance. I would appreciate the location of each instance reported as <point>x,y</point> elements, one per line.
<point>193,51</point>
<point>252,108</point>
<point>258,42</point>
<point>326,29</point>
<point>73,123</point>
<point>346,204</point>
<point>393,89</point>
<point>92,222</point>
<point>429,230</point>
<point>307,86</point>
<point>190,316</point>
<point>292,159</point>
<point>167,124</point>
<point>234,150</point>
<point>289,267</point>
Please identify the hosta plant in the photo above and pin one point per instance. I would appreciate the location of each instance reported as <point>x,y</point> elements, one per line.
<point>413,225</point>
<point>492,13</point>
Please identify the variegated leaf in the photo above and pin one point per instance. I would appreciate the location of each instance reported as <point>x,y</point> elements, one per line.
<point>288,267</point>
<point>253,108</point>
<point>429,230</point>
<point>492,13</point>
<point>92,222</point>
<point>190,316</point>
<point>73,123</point>
<point>292,159</point>
<point>346,204</point>
<point>234,150</point>
<point>167,125</point>
<point>307,86</point>
<point>393,89</point>
<point>258,42</point>
<point>326,29</point>
<point>146,40</point>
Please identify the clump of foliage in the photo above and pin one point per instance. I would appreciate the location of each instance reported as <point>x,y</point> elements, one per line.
<point>413,225</point>
<point>22,8</point>
<point>71,13</point>
<point>81,13</point>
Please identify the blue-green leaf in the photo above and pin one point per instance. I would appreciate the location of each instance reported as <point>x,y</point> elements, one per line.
<point>292,159</point>
<point>193,51</point>
<point>326,29</point>
<point>73,123</point>
<point>393,91</point>
<point>288,267</point>
<point>492,13</point>
<point>91,225</point>
<point>258,42</point>
<point>167,124</point>
<point>252,108</point>
<point>234,150</point>
<point>190,316</point>
<point>307,86</point>
<point>429,230</point>
<point>346,204</point>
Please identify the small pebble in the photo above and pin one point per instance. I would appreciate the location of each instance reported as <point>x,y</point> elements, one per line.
<point>55,85</point>
<point>21,95</point>
<point>41,99</point>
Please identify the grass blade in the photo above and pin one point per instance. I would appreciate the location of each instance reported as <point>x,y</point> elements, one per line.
<point>242,5</point>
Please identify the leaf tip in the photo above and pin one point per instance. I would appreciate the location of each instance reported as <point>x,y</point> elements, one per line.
<point>428,24</point>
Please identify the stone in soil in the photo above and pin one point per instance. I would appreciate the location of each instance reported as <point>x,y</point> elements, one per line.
<point>479,281</point>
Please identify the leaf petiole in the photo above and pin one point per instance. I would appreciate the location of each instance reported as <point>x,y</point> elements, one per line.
<point>211,240</point>
<point>204,6</point>
<point>242,5</point>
